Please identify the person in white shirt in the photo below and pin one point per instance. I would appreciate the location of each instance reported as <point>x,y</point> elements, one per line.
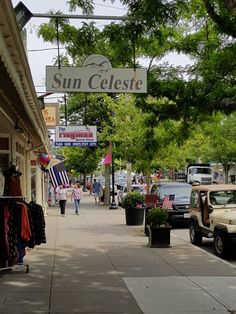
<point>62,196</point>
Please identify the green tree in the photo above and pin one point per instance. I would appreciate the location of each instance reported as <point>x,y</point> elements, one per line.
<point>222,144</point>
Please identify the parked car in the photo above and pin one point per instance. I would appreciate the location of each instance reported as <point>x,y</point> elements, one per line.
<point>213,215</point>
<point>155,186</point>
<point>102,182</point>
<point>179,197</point>
<point>123,191</point>
<point>119,182</point>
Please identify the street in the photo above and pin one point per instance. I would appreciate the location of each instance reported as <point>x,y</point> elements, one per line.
<point>183,234</point>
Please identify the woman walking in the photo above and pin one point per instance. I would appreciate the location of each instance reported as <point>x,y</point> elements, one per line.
<point>62,196</point>
<point>76,195</point>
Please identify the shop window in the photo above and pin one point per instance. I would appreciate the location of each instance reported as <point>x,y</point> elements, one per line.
<point>4,152</point>
<point>33,183</point>
<point>20,149</point>
<point>4,161</point>
<point>4,143</point>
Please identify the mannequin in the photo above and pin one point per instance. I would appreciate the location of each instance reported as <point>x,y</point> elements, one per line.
<point>12,182</point>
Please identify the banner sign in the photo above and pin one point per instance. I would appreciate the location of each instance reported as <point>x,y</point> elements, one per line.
<point>96,75</point>
<point>76,136</point>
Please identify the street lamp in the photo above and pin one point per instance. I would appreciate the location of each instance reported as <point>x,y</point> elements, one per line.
<point>23,14</point>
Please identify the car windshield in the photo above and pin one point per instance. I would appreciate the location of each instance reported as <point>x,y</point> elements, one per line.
<point>223,197</point>
<point>177,191</point>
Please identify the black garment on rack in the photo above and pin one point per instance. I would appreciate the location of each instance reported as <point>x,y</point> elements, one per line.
<point>37,215</point>
<point>3,247</point>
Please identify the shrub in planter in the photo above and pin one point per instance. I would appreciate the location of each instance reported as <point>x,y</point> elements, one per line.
<point>133,200</point>
<point>133,203</point>
<point>157,217</point>
<point>159,229</point>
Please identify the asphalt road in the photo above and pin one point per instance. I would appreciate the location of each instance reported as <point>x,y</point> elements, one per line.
<point>207,245</point>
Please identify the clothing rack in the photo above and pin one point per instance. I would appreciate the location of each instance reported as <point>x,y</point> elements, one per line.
<point>25,229</point>
<point>18,265</point>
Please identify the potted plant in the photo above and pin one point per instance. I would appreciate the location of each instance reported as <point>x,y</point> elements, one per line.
<point>133,204</point>
<point>158,227</point>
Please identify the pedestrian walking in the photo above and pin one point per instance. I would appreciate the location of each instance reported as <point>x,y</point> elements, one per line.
<point>62,196</point>
<point>97,191</point>
<point>76,195</point>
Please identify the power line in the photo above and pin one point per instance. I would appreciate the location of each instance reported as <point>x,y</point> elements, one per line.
<point>44,49</point>
<point>110,6</point>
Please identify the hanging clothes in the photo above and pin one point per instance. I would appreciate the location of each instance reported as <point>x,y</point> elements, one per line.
<point>37,215</point>
<point>21,225</point>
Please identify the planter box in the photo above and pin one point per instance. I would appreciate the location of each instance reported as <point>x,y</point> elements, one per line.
<point>159,237</point>
<point>134,216</point>
<point>146,230</point>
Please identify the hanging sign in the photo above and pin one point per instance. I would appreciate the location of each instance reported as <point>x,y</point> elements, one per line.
<point>76,136</point>
<point>96,75</point>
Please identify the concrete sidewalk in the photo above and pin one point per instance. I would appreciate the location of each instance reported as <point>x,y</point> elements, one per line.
<point>93,263</point>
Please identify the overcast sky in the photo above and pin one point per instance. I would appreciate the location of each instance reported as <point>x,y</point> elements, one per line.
<point>41,54</point>
<point>38,53</point>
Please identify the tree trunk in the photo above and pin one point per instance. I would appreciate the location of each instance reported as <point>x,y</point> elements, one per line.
<point>226,171</point>
<point>107,185</point>
<point>129,176</point>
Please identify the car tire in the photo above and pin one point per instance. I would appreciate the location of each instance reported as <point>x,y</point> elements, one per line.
<point>221,245</point>
<point>194,234</point>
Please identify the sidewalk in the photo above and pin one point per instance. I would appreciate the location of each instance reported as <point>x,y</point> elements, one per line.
<point>93,263</point>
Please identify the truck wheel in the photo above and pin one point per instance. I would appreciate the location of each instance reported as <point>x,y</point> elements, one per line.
<point>195,236</point>
<point>221,244</point>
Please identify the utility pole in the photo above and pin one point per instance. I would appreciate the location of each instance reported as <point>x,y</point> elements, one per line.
<point>65,107</point>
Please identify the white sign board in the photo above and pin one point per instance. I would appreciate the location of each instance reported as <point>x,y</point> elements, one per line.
<point>76,136</point>
<point>96,75</point>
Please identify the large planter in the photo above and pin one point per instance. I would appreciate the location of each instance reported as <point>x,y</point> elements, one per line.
<point>159,236</point>
<point>134,216</point>
<point>146,230</point>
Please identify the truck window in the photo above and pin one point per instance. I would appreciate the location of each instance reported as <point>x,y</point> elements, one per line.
<point>194,199</point>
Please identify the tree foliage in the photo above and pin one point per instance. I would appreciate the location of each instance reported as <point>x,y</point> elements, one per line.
<point>156,129</point>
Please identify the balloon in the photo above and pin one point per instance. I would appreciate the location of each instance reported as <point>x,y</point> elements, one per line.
<point>44,160</point>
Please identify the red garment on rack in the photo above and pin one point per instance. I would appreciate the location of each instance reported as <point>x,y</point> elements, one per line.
<point>6,225</point>
<point>25,224</point>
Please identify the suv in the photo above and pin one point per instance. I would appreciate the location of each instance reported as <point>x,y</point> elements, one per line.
<point>179,196</point>
<point>213,215</point>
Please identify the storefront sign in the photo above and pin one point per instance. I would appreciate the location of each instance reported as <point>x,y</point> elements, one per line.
<point>76,136</point>
<point>96,75</point>
<point>51,115</point>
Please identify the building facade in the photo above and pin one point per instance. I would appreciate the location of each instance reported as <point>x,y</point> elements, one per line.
<point>23,132</point>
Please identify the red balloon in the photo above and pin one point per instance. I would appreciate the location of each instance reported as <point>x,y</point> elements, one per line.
<point>44,160</point>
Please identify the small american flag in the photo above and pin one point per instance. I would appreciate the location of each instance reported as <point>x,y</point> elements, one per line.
<point>58,175</point>
<point>167,203</point>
